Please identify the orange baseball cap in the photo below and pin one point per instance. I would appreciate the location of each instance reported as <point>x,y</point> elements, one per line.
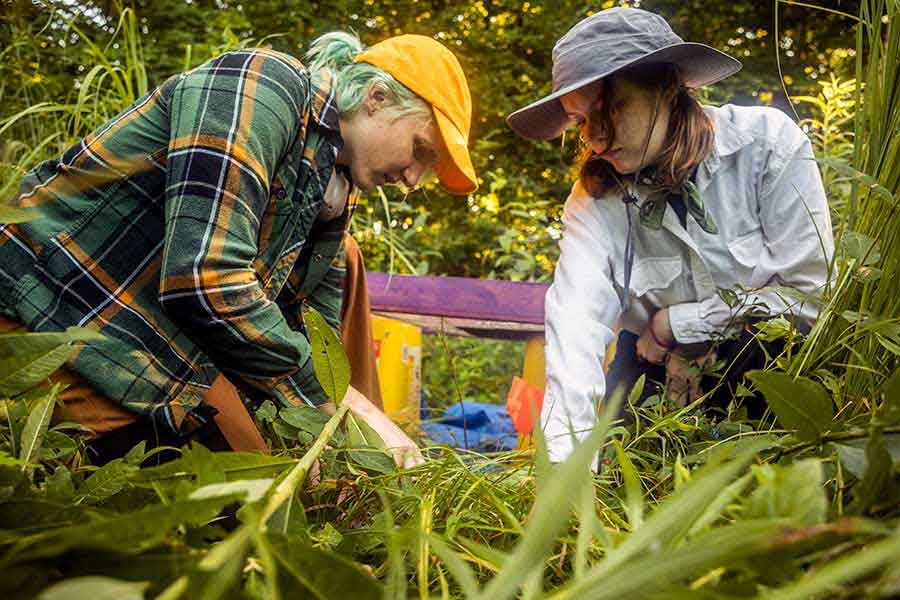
<point>430,70</point>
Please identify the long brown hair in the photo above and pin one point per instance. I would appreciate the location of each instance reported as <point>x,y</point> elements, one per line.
<point>689,138</point>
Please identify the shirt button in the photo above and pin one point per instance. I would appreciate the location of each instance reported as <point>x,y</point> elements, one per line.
<point>318,258</point>
<point>280,194</point>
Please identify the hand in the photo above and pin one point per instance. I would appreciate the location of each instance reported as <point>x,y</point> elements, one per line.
<point>404,450</point>
<point>683,376</point>
<point>657,339</point>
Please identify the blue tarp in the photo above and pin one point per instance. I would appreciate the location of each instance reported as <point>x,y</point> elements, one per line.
<point>486,427</point>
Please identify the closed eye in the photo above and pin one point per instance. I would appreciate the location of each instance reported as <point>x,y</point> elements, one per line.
<point>424,154</point>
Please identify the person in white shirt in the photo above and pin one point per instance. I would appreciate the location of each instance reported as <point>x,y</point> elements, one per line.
<point>687,224</point>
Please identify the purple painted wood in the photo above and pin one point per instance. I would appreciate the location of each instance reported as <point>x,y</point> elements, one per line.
<point>482,299</point>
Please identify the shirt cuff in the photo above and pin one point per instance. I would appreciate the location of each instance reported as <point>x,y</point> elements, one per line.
<point>300,388</point>
<point>687,325</point>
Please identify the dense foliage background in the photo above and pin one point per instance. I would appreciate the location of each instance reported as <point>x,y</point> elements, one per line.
<point>509,228</point>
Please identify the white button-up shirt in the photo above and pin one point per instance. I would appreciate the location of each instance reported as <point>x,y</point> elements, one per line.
<point>763,189</point>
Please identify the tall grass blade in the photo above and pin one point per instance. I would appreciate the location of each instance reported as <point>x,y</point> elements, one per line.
<point>552,509</point>
<point>830,577</point>
<point>655,571</point>
<point>634,495</point>
<point>674,518</point>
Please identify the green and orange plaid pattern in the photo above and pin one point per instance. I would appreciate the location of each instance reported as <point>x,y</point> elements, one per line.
<point>185,231</point>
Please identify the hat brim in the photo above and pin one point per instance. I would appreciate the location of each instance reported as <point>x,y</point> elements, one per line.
<point>700,65</point>
<point>455,172</point>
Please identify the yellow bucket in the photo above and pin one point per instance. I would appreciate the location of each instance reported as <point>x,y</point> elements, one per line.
<point>398,357</point>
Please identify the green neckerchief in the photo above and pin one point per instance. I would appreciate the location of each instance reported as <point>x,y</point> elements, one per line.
<point>654,207</point>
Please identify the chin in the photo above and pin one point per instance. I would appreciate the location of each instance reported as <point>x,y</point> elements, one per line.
<point>361,182</point>
<point>621,169</point>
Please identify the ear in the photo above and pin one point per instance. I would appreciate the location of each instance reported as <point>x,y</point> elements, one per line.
<point>376,98</point>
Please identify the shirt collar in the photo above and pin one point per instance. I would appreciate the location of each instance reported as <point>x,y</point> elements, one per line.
<point>728,138</point>
<point>324,103</point>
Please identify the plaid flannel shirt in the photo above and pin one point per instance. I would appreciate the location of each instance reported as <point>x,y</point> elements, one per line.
<point>185,231</point>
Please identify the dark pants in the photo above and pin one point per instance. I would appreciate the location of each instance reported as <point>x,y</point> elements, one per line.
<point>741,354</point>
<point>117,443</point>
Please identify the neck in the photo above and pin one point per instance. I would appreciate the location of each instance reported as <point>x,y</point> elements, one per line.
<point>345,126</point>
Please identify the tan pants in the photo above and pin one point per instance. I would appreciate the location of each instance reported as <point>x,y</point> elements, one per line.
<point>81,403</point>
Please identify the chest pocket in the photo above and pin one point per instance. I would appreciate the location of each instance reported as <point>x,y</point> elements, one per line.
<point>652,278</point>
<point>745,251</point>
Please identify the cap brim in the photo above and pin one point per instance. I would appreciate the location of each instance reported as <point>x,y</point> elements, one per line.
<point>455,172</point>
<point>700,65</point>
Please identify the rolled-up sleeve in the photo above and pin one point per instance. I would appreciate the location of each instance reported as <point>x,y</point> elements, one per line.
<point>231,122</point>
<point>580,310</point>
<point>797,246</point>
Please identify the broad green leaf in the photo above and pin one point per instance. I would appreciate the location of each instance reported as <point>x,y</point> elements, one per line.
<point>217,574</point>
<point>251,489</point>
<point>309,419</point>
<point>32,514</point>
<point>860,247</point>
<point>361,435</point>
<point>105,482</point>
<point>235,465</point>
<point>778,328</point>
<point>329,359</point>
<point>266,411</point>
<point>849,171</point>
<point>131,532</point>
<point>57,445</point>
<point>853,452</point>
<point>20,373</point>
<point>320,574</point>
<point>36,426</point>
<point>95,588</point>
<point>26,359</point>
<point>11,214</point>
<point>328,536</point>
<point>800,404</point>
<point>795,492</point>
<point>27,343</point>
<point>373,460</point>
<point>852,458</point>
<point>59,485</point>
<point>889,412</point>
<point>878,477</point>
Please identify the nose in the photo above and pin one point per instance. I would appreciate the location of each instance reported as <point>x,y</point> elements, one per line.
<point>413,173</point>
<point>595,135</point>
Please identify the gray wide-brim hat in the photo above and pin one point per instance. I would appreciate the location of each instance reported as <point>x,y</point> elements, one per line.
<point>605,43</point>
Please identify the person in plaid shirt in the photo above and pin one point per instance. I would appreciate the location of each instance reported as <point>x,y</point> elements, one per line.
<point>193,228</point>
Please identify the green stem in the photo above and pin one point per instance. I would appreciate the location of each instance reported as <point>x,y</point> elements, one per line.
<point>836,437</point>
<point>295,478</point>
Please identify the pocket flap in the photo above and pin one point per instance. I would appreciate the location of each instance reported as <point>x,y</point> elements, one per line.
<point>656,272</point>
<point>746,248</point>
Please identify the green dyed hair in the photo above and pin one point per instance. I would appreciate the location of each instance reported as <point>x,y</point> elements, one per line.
<point>352,80</point>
